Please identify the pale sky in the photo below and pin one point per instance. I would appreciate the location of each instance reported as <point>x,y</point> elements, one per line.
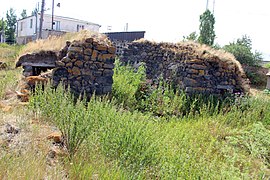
<point>168,20</point>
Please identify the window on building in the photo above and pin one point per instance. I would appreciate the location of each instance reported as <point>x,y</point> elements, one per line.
<point>78,27</point>
<point>57,25</point>
<point>21,26</point>
<point>82,27</point>
<point>31,23</point>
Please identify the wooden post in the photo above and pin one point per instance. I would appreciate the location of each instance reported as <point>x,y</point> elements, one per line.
<point>41,19</point>
<point>52,12</point>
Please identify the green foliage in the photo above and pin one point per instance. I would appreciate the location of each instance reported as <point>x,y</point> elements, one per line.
<point>141,146</point>
<point>191,37</point>
<point>256,79</point>
<point>126,83</point>
<point>163,100</point>
<point>11,26</point>
<point>8,81</point>
<point>8,77</point>
<point>242,50</point>
<point>23,14</point>
<point>72,119</point>
<point>255,141</point>
<point>266,91</point>
<point>267,65</point>
<point>8,53</point>
<point>3,23</point>
<point>207,33</point>
<point>151,138</point>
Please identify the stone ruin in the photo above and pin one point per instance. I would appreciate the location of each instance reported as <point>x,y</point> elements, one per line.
<point>35,63</point>
<point>84,66</point>
<point>87,66</point>
<point>189,66</point>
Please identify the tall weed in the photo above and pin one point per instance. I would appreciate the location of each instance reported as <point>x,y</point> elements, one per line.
<point>126,83</point>
<point>72,119</point>
<point>161,135</point>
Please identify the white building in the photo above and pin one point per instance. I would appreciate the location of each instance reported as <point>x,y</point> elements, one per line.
<point>28,28</point>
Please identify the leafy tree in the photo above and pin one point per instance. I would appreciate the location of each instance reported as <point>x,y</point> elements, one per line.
<point>2,23</point>
<point>24,14</point>
<point>242,50</point>
<point>11,26</point>
<point>191,37</point>
<point>207,33</point>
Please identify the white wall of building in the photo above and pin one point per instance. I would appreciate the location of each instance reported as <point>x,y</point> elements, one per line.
<point>68,24</point>
<point>26,27</point>
<point>29,25</point>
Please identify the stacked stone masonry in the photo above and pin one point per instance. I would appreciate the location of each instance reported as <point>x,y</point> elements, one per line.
<point>191,67</point>
<point>86,68</point>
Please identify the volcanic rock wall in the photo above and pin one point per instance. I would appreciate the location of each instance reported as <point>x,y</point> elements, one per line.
<point>86,68</point>
<point>189,66</point>
<point>33,64</point>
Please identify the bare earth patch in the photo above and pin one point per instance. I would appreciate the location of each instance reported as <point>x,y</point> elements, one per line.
<point>24,145</point>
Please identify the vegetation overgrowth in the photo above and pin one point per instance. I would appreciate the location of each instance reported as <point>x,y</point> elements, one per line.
<point>158,133</point>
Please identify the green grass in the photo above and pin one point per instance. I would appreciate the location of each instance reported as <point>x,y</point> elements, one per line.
<point>8,81</point>
<point>8,77</point>
<point>9,53</point>
<point>126,137</point>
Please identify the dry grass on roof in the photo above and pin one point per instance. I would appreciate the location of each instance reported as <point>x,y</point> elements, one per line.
<point>56,43</point>
<point>203,51</point>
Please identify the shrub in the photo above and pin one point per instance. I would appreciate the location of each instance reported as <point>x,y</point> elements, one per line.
<point>72,119</point>
<point>126,82</point>
<point>242,50</point>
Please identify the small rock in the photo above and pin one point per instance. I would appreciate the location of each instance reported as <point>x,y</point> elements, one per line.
<point>76,71</point>
<point>33,80</point>
<point>11,129</point>
<point>51,154</point>
<point>4,107</point>
<point>3,65</point>
<point>23,97</point>
<point>55,136</point>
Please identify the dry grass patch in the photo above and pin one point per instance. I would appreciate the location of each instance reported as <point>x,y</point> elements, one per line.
<point>56,43</point>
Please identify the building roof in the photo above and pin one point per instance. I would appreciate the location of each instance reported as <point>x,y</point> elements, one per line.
<point>127,36</point>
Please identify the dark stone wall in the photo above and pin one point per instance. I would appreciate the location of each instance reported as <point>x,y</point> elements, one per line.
<point>189,66</point>
<point>86,68</point>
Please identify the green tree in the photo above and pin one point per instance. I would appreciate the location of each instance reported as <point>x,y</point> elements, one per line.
<point>24,14</point>
<point>2,23</point>
<point>242,50</point>
<point>11,26</point>
<point>207,33</point>
<point>191,37</point>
